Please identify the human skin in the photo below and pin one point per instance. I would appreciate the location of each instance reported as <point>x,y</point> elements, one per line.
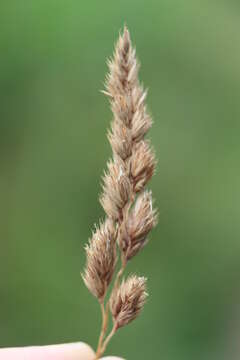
<point>73,351</point>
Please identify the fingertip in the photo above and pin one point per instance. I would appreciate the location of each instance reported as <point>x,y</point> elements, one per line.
<point>71,351</point>
<point>84,347</point>
<point>79,350</point>
<point>112,358</point>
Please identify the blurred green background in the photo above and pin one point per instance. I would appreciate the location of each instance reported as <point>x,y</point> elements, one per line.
<point>53,150</point>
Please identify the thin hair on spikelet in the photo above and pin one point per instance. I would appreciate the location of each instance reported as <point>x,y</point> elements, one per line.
<point>130,215</point>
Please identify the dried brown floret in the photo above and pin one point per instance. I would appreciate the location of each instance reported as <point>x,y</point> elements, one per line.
<point>142,165</point>
<point>140,222</point>
<point>141,123</point>
<point>101,259</point>
<point>120,140</point>
<point>116,190</point>
<point>128,300</point>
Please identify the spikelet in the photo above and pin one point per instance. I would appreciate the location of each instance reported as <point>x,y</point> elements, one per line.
<point>116,190</point>
<point>101,259</point>
<point>120,140</point>
<point>142,165</point>
<point>140,222</point>
<point>128,300</point>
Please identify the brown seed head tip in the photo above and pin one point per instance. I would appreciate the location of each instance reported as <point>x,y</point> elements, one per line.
<point>126,38</point>
<point>123,69</point>
<point>101,259</point>
<point>128,300</point>
<point>142,218</point>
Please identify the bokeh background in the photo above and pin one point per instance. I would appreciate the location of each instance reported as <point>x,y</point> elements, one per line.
<point>53,150</point>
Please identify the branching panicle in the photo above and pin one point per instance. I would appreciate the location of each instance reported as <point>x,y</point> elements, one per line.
<point>128,206</point>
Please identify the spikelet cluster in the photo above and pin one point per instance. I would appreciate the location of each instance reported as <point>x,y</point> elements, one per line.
<point>128,300</point>
<point>142,218</point>
<point>101,259</point>
<point>133,161</point>
<point>130,215</point>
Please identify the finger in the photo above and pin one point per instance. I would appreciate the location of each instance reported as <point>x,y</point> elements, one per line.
<point>111,358</point>
<point>74,351</point>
